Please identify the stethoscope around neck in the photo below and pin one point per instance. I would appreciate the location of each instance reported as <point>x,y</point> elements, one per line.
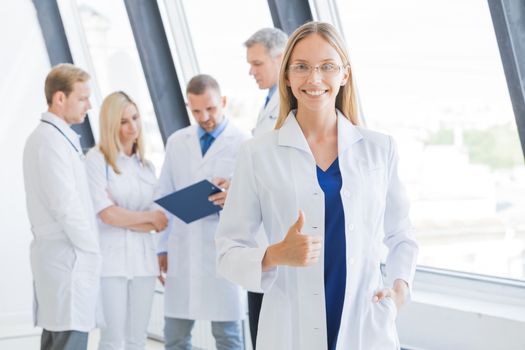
<point>81,155</point>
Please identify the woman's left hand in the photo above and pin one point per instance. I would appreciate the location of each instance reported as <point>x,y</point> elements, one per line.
<point>398,293</point>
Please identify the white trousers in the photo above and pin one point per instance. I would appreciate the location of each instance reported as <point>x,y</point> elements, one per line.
<point>127,308</point>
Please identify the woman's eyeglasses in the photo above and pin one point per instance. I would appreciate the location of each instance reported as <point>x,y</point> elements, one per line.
<point>304,69</point>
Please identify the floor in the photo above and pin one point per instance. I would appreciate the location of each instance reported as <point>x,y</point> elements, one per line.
<point>21,335</point>
<point>27,337</point>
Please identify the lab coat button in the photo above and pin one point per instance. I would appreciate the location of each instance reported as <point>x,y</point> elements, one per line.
<point>346,193</point>
<point>351,261</point>
<point>350,227</point>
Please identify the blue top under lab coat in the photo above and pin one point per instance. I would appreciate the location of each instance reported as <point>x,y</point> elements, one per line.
<point>334,249</point>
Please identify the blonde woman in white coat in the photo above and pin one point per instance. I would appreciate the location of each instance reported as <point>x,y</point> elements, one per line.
<point>328,195</point>
<point>122,184</point>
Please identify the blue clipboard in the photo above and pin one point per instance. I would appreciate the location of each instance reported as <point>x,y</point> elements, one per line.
<point>191,203</point>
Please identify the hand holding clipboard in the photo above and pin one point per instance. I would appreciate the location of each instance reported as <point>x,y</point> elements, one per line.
<point>191,203</point>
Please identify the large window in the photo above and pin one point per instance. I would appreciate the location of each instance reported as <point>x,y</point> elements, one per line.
<point>115,60</point>
<point>430,74</point>
<point>218,42</point>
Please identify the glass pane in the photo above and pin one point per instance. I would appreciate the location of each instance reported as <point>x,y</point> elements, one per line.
<point>430,74</point>
<point>117,64</point>
<point>218,42</point>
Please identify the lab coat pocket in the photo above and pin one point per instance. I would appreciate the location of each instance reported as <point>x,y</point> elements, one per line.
<point>391,305</point>
<point>87,264</point>
<point>372,171</point>
<point>86,277</point>
<point>380,328</point>
<point>374,177</point>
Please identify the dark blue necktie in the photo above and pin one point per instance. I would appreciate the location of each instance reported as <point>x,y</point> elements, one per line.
<point>267,100</point>
<point>206,141</point>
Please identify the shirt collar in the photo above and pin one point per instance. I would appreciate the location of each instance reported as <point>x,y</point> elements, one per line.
<point>62,125</point>
<point>272,90</point>
<point>215,132</point>
<point>123,155</point>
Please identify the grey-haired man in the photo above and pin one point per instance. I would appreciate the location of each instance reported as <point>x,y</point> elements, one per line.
<point>264,53</point>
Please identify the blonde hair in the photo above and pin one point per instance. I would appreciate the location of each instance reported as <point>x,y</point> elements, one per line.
<point>345,100</point>
<point>62,77</point>
<point>111,112</point>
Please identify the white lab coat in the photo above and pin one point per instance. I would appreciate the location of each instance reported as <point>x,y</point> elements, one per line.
<point>266,122</point>
<point>193,289</point>
<point>267,116</point>
<point>65,254</point>
<point>126,253</point>
<point>274,178</point>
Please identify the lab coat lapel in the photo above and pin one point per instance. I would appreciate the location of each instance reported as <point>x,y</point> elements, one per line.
<point>193,144</point>
<point>350,155</point>
<point>347,134</point>
<point>219,144</point>
<point>291,135</point>
<point>271,109</point>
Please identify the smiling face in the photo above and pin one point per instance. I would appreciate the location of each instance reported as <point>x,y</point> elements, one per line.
<point>317,90</point>
<point>129,125</point>
<point>207,108</point>
<point>263,67</point>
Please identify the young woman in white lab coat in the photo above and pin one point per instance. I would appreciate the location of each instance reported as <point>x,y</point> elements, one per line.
<point>328,194</point>
<point>122,185</point>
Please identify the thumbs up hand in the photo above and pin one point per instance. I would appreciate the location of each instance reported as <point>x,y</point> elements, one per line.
<point>296,249</point>
<point>301,249</point>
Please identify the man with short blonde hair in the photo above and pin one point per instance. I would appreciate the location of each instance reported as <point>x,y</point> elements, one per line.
<point>62,78</point>
<point>65,254</point>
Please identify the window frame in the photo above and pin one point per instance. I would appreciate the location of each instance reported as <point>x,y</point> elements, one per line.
<point>436,290</point>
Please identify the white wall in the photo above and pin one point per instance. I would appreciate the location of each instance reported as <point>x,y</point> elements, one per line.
<point>23,66</point>
<point>454,310</point>
<point>423,326</point>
